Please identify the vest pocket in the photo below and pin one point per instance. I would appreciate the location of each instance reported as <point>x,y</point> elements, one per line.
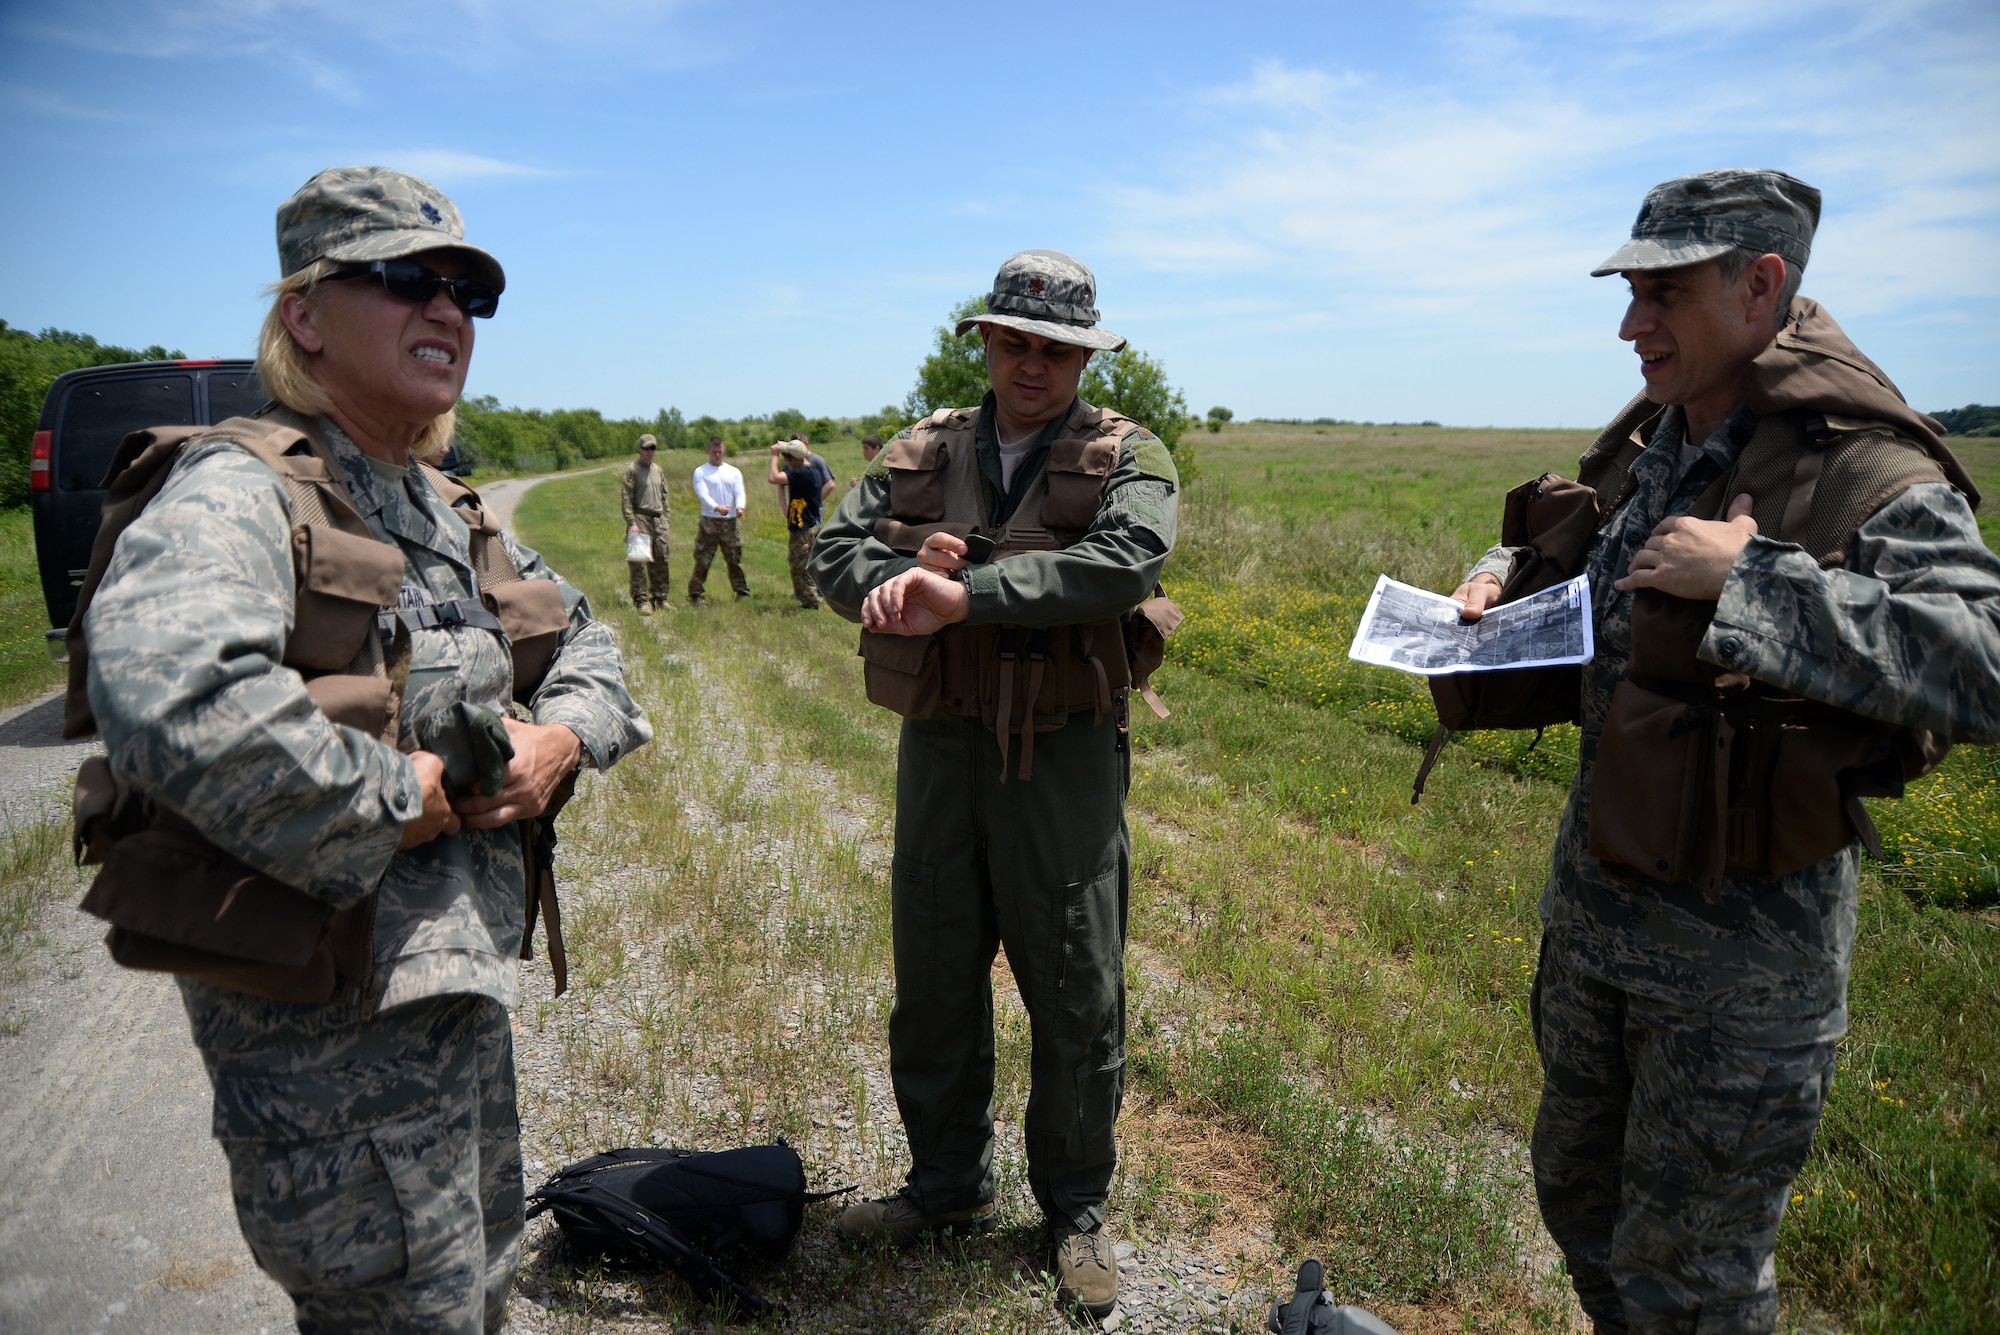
<point>1076,473</point>
<point>916,479</point>
<point>901,672</point>
<point>532,614</point>
<point>343,580</point>
<point>178,904</point>
<point>367,704</point>
<point>1658,795</point>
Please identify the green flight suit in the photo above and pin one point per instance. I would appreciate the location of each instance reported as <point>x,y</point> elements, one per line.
<point>1041,867</point>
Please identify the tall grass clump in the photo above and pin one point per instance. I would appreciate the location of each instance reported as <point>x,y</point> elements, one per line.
<point>1393,1216</point>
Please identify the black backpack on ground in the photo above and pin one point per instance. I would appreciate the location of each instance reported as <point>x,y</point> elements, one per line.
<point>685,1209</point>
<point>1311,1311</point>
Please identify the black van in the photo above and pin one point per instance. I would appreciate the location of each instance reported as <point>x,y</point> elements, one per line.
<point>87,412</point>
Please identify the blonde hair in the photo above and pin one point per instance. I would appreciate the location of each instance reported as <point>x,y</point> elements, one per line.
<point>286,376</point>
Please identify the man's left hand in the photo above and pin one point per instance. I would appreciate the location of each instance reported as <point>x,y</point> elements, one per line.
<point>543,755</point>
<point>916,602</point>
<point>1691,558</point>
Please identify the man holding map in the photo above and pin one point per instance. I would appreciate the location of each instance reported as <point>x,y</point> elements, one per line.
<point>1792,609</point>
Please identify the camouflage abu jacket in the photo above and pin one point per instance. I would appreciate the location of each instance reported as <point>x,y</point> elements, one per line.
<point>186,634</point>
<point>1907,632</point>
<point>1111,569</point>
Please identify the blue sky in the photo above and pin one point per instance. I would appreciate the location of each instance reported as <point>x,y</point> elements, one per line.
<point>1357,210</point>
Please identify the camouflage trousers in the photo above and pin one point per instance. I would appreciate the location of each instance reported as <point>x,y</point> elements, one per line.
<point>713,534</point>
<point>654,571</point>
<point>799,552</point>
<point>377,1164</point>
<point>1665,1148</point>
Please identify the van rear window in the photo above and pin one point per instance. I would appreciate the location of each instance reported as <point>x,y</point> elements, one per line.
<point>233,394</point>
<point>98,416</point>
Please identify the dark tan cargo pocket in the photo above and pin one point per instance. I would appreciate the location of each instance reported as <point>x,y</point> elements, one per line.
<point>1655,805</point>
<point>916,478</point>
<point>531,611</point>
<point>344,579</point>
<point>1077,471</point>
<point>365,703</point>
<point>178,904</point>
<point>901,672</point>
<point>103,809</point>
<point>1808,811</point>
<point>1666,637</point>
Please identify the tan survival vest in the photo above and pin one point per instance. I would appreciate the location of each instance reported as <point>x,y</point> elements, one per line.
<point>1703,772</point>
<point>1017,680</point>
<point>176,902</point>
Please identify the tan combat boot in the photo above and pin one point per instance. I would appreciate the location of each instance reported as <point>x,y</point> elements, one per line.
<point>1086,1271</point>
<point>899,1219</point>
<point>645,608</point>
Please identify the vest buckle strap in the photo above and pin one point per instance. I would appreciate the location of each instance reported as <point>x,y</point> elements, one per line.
<point>438,616</point>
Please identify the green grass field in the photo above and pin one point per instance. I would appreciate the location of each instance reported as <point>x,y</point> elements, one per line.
<point>25,669</point>
<point>1330,1048</point>
<point>1338,980</point>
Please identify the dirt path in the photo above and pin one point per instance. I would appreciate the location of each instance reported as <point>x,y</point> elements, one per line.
<point>115,1211</point>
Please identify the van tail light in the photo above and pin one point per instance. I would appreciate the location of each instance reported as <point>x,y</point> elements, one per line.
<point>38,462</point>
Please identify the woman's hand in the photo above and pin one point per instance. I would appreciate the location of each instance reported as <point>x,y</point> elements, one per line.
<point>543,756</point>
<point>437,817</point>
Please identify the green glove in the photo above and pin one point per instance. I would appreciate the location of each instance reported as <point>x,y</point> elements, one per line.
<point>472,742</point>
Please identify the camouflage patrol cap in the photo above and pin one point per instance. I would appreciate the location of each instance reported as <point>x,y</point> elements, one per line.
<point>1694,218</point>
<point>1047,292</point>
<point>647,442</point>
<point>373,213</point>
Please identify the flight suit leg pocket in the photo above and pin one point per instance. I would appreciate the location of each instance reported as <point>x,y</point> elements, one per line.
<point>1091,986</point>
<point>913,914</point>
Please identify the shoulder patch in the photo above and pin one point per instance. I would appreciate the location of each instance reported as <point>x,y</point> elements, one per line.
<point>1153,457</point>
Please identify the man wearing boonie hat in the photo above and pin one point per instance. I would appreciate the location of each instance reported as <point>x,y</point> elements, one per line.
<point>299,728</point>
<point>804,489</point>
<point>1793,609</point>
<point>642,495</point>
<point>992,555</point>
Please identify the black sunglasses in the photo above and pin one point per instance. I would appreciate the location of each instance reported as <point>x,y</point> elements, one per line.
<point>411,281</point>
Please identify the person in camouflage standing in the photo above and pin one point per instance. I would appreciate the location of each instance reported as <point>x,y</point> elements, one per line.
<point>642,494</point>
<point>1080,507</point>
<point>1687,1028</point>
<point>373,1142</point>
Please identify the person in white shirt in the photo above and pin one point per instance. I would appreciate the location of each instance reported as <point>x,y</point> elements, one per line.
<point>719,488</point>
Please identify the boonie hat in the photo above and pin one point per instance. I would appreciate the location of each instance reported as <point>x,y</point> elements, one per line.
<point>1049,293</point>
<point>373,213</point>
<point>1694,218</point>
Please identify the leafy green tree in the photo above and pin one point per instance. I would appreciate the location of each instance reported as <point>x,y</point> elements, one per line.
<point>29,364</point>
<point>671,430</point>
<point>1136,385</point>
<point>1217,416</point>
<point>954,375</point>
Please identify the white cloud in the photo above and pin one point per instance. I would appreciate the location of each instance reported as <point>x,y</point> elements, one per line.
<point>445,165</point>
<point>1495,178</point>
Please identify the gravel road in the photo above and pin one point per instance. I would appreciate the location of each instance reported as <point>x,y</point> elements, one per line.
<point>115,1212</point>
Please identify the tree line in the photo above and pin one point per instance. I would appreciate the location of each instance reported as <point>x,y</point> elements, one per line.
<point>29,364</point>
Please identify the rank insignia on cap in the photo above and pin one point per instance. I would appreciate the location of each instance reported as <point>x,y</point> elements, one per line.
<point>431,215</point>
<point>1037,285</point>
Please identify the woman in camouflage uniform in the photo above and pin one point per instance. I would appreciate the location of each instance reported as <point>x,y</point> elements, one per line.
<point>373,1141</point>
